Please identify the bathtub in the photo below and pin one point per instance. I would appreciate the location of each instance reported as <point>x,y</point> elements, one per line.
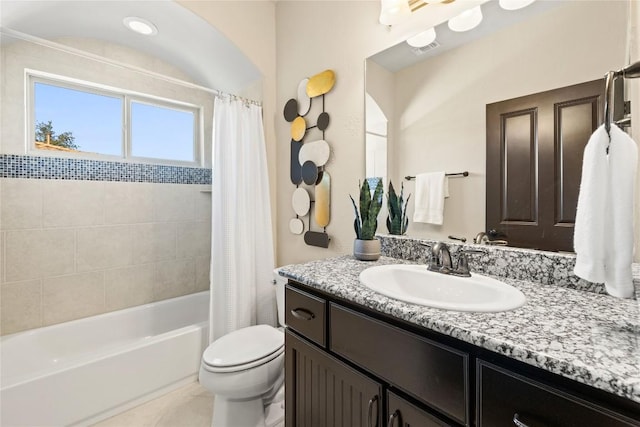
<point>86,370</point>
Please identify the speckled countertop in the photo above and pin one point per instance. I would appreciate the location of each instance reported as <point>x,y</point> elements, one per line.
<point>585,336</point>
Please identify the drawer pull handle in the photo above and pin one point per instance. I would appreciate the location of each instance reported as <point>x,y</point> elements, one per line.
<point>392,419</point>
<point>370,412</point>
<point>517,422</point>
<point>302,314</point>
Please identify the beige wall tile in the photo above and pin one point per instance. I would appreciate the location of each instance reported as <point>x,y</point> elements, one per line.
<point>73,203</point>
<point>128,202</point>
<point>20,204</point>
<point>21,306</point>
<point>194,239</point>
<point>174,202</point>
<point>104,247</point>
<point>154,242</point>
<point>174,278</point>
<point>127,287</point>
<point>203,267</point>
<point>72,297</point>
<point>31,254</point>
<point>203,203</point>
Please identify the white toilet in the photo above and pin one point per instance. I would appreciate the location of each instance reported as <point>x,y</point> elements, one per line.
<point>245,371</point>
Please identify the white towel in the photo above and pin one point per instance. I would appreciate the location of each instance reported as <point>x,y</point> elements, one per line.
<point>623,158</point>
<point>431,190</point>
<point>603,237</point>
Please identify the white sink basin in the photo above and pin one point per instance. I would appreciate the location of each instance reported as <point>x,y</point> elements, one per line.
<point>417,285</point>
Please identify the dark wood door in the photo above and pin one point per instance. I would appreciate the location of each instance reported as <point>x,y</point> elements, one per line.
<point>535,145</point>
<point>322,391</point>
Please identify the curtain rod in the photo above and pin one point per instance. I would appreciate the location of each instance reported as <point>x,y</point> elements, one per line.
<point>88,55</point>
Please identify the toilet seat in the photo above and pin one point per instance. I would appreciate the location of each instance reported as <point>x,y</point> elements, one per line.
<point>244,349</point>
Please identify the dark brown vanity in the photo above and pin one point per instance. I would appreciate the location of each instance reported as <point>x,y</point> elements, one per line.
<point>348,365</point>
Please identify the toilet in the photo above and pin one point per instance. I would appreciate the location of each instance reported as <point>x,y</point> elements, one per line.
<point>245,371</point>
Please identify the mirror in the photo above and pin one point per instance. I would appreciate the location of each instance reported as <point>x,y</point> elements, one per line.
<point>432,101</point>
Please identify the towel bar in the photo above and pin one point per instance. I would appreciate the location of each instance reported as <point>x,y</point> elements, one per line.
<point>461,174</point>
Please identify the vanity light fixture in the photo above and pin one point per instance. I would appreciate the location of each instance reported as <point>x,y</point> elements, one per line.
<point>140,26</point>
<point>393,11</point>
<point>467,20</point>
<point>514,4</point>
<point>422,39</point>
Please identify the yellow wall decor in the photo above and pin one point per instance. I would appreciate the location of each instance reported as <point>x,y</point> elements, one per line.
<point>308,162</point>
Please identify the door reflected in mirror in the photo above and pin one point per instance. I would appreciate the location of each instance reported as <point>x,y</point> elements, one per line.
<point>435,98</point>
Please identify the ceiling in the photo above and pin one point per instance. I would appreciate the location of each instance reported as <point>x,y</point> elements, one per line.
<point>184,39</point>
<point>495,18</point>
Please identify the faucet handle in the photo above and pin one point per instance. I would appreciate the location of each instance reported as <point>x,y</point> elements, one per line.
<point>463,262</point>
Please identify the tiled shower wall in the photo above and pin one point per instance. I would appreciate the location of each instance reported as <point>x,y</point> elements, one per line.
<point>72,248</point>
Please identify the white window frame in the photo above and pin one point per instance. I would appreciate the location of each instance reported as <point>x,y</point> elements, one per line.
<point>33,76</point>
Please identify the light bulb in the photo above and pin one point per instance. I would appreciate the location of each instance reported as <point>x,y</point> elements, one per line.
<point>514,4</point>
<point>467,20</point>
<point>422,39</point>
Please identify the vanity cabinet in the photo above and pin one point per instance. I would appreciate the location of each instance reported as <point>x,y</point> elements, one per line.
<point>506,398</point>
<point>346,365</point>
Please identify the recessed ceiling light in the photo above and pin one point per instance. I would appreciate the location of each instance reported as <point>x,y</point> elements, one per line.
<point>140,25</point>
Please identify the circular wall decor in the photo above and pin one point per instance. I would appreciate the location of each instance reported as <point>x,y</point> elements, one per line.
<point>291,110</point>
<point>296,226</point>
<point>298,128</point>
<point>301,201</point>
<point>316,151</point>
<point>309,173</point>
<point>304,102</point>
<point>323,121</point>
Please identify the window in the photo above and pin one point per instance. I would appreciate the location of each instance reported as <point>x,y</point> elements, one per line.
<point>87,120</point>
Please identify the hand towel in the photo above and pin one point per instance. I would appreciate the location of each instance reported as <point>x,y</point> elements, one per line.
<point>603,236</point>
<point>589,237</point>
<point>431,190</point>
<point>623,158</point>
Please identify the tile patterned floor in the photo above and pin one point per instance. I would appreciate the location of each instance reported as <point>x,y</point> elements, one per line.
<point>189,406</point>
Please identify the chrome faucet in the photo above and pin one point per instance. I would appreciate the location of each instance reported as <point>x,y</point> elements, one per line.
<point>440,260</point>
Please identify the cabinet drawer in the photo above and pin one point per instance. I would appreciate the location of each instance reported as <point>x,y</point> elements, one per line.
<point>433,373</point>
<point>404,414</point>
<point>502,394</point>
<point>305,313</point>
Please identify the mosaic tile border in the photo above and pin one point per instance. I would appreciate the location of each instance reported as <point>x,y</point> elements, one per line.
<point>35,167</point>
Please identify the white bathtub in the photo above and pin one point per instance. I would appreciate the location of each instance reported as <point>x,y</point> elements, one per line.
<point>83,371</point>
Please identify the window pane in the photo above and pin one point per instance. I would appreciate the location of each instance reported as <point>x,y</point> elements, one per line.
<point>74,120</point>
<point>162,133</point>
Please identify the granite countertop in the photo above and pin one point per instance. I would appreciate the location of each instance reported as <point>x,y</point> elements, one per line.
<point>585,336</point>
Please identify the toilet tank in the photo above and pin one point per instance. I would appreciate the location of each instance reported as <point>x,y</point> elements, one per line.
<point>279,283</point>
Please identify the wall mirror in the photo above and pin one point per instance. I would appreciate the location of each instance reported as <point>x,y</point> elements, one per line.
<point>426,107</point>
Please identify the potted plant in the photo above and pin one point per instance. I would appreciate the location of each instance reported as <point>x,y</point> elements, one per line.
<point>366,247</point>
<point>397,221</point>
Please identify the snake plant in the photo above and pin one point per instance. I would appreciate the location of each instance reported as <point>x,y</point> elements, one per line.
<point>366,221</point>
<point>397,221</point>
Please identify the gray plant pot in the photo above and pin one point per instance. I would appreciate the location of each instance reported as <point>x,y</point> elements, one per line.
<point>366,250</point>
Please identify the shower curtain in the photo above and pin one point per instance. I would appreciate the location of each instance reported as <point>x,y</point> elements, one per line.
<point>242,257</point>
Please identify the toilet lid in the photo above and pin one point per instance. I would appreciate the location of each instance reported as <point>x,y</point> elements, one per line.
<point>244,346</point>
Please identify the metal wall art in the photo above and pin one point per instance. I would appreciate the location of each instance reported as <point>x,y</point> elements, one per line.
<point>312,196</point>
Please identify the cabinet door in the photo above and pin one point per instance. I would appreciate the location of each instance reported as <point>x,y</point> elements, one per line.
<point>322,391</point>
<point>506,399</point>
<point>404,414</point>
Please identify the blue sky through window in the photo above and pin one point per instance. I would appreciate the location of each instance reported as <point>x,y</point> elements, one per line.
<point>94,120</point>
<point>161,133</point>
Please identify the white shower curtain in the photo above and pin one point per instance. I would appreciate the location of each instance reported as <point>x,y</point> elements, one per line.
<point>242,258</point>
